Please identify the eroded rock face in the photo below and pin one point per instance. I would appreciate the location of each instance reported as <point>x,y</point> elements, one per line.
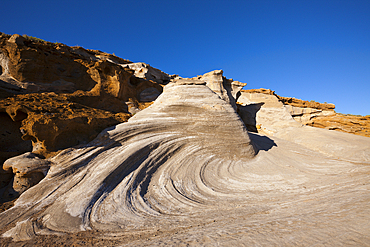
<point>88,88</point>
<point>28,169</point>
<point>145,71</point>
<point>264,113</point>
<point>187,127</point>
<point>187,162</point>
<point>310,113</point>
<point>53,96</point>
<point>227,89</point>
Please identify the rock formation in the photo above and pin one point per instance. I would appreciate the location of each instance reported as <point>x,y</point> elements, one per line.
<point>310,113</point>
<point>53,97</point>
<point>105,152</point>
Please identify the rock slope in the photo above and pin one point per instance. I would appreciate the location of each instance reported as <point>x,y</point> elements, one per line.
<point>182,170</point>
<point>321,115</point>
<point>53,97</point>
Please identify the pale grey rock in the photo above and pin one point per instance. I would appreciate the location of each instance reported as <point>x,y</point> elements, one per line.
<point>28,170</point>
<point>149,94</point>
<point>265,112</point>
<point>227,89</point>
<point>271,117</point>
<point>26,164</point>
<point>186,172</point>
<point>145,71</point>
<point>4,61</point>
<point>304,115</point>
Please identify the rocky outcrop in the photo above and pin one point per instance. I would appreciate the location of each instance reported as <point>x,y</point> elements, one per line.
<point>186,166</point>
<point>28,169</point>
<point>264,113</point>
<point>310,113</point>
<point>145,71</point>
<point>53,96</point>
<point>95,158</point>
<point>358,125</point>
<point>227,89</point>
<point>187,122</point>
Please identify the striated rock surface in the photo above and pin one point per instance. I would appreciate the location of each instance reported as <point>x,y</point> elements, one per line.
<point>227,89</point>
<point>146,162</point>
<point>182,170</point>
<point>186,171</point>
<point>358,125</point>
<point>53,96</point>
<point>310,113</point>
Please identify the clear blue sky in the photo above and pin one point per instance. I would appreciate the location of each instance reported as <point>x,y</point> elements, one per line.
<point>308,49</point>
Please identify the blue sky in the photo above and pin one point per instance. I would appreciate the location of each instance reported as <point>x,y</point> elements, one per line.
<point>308,49</point>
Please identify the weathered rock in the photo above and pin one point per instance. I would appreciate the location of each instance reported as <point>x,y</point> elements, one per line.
<point>28,170</point>
<point>293,101</point>
<point>96,84</point>
<point>53,96</point>
<point>187,162</point>
<point>145,71</point>
<point>149,94</point>
<point>310,113</point>
<point>264,113</point>
<point>188,118</point>
<point>358,125</point>
<point>227,89</point>
<point>17,39</point>
<point>272,118</point>
<point>305,114</point>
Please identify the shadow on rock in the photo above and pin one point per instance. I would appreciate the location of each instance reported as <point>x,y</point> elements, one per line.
<point>248,114</point>
<point>261,142</point>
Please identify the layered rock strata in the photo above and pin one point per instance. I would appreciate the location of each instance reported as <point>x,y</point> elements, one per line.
<point>53,97</point>
<point>310,113</point>
<point>146,162</point>
<point>186,171</point>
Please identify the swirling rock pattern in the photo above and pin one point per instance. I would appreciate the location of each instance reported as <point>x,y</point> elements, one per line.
<point>185,170</point>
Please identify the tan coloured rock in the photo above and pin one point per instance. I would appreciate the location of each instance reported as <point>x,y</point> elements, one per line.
<point>145,71</point>
<point>28,169</point>
<point>358,125</point>
<point>53,96</point>
<point>264,113</point>
<point>96,84</point>
<point>185,171</point>
<point>310,113</point>
<point>227,89</point>
<point>17,39</point>
<point>305,114</point>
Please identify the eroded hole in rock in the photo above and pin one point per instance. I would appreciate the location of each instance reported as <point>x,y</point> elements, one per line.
<point>11,144</point>
<point>1,70</point>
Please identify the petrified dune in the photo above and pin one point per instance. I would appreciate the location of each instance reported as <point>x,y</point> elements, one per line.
<point>185,170</point>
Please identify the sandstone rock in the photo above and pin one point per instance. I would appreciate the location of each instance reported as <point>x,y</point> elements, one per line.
<point>227,89</point>
<point>188,160</point>
<point>149,94</point>
<point>53,96</point>
<point>28,170</point>
<point>17,39</point>
<point>264,113</point>
<point>358,125</point>
<point>304,115</point>
<point>145,71</point>
<point>310,113</point>
<point>94,82</point>
<point>271,117</point>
